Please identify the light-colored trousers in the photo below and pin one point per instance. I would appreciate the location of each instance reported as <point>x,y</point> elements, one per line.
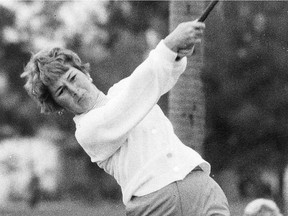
<point>197,195</point>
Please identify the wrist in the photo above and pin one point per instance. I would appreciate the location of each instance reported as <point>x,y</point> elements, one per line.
<point>166,53</point>
<point>170,44</point>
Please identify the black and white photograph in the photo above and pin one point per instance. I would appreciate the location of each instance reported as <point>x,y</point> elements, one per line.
<point>143,108</point>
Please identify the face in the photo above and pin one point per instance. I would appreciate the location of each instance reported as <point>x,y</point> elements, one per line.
<point>74,91</point>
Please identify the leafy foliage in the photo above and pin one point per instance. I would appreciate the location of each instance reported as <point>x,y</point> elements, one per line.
<point>98,31</point>
<point>246,82</point>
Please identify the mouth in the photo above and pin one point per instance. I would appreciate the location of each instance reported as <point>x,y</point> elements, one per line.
<point>80,99</point>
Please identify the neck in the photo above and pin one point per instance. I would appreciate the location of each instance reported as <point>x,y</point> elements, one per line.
<point>100,101</point>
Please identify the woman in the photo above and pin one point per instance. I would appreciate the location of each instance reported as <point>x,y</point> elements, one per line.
<point>126,133</point>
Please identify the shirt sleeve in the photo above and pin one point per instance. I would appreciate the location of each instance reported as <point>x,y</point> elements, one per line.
<point>103,130</point>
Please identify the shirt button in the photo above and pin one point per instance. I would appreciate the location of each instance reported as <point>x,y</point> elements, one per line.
<point>154,131</point>
<point>169,155</point>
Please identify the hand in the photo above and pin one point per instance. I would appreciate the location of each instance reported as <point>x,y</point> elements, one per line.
<point>184,37</point>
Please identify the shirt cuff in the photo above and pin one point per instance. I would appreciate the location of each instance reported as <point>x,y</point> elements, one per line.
<point>166,52</point>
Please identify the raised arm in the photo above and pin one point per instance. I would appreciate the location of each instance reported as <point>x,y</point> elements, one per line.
<point>103,130</point>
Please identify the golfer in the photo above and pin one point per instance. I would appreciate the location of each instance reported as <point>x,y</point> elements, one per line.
<point>126,133</point>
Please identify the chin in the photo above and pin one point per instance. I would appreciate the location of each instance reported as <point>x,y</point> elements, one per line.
<point>87,108</point>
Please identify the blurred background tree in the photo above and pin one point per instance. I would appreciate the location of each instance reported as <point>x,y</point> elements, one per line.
<point>245,74</point>
<point>186,99</point>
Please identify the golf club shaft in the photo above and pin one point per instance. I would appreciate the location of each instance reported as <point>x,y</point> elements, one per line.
<point>207,10</point>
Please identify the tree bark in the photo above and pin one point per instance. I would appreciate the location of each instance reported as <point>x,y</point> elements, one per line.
<point>186,99</point>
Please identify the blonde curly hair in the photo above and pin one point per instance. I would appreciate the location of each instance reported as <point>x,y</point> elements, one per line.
<point>43,69</point>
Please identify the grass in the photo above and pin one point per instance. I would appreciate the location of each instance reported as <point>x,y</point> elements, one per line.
<point>64,209</point>
<point>69,208</point>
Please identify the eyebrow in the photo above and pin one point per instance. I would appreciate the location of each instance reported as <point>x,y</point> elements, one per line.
<point>68,78</point>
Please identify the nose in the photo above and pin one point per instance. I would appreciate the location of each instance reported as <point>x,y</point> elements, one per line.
<point>74,90</point>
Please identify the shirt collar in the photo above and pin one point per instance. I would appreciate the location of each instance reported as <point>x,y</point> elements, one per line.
<point>101,100</point>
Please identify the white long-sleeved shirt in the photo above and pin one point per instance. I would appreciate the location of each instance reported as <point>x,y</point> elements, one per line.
<point>128,135</point>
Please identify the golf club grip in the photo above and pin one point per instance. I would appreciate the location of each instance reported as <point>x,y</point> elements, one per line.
<point>207,11</point>
<point>205,15</point>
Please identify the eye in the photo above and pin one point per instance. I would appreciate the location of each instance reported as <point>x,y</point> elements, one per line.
<point>60,91</point>
<point>73,78</point>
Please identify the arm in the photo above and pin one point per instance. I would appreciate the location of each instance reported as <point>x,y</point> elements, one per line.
<point>103,130</point>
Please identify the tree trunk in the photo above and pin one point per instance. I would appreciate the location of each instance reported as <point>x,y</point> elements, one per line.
<point>186,99</point>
